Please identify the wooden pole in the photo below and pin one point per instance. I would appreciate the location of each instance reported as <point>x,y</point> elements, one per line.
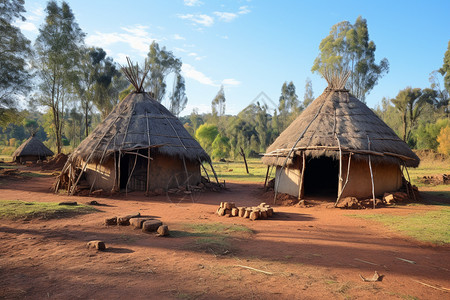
<point>131,174</point>
<point>245,161</point>
<point>148,173</point>
<point>346,180</point>
<point>409,181</point>
<point>301,188</point>
<point>371,175</point>
<point>214,172</point>
<point>204,169</point>
<point>267,175</point>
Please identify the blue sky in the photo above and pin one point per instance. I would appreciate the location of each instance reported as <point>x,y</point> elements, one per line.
<point>254,46</point>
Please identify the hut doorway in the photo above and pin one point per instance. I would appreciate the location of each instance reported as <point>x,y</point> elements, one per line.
<point>124,170</point>
<point>321,177</point>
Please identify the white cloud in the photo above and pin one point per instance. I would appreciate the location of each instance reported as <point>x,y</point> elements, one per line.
<point>177,49</point>
<point>198,19</point>
<point>192,2</point>
<point>231,82</point>
<point>137,37</point>
<point>178,37</point>
<point>243,10</point>
<point>192,54</point>
<point>27,26</point>
<point>190,72</point>
<point>199,57</point>
<point>225,16</point>
<point>121,58</point>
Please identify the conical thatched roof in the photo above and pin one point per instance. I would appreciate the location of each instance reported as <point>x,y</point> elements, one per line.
<point>32,146</point>
<point>336,119</point>
<point>139,122</point>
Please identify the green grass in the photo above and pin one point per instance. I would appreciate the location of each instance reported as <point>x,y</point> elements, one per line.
<point>211,237</point>
<point>235,170</point>
<point>15,209</point>
<point>431,226</point>
<point>426,168</point>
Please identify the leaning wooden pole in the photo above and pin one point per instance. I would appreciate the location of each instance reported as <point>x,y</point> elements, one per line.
<point>301,188</point>
<point>147,188</point>
<point>267,176</point>
<point>371,175</point>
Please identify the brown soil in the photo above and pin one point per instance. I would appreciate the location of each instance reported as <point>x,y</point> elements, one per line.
<point>314,252</point>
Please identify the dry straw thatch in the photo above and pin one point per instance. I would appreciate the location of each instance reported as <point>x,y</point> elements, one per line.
<point>336,121</point>
<point>139,122</point>
<point>32,147</point>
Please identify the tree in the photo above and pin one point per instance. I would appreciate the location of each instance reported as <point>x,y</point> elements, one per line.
<point>31,126</point>
<point>108,86</point>
<point>160,63</point>
<point>289,105</point>
<point>410,104</point>
<point>220,147</point>
<point>442,95</point>
<point>205,135</point>
<point>178,99</point>
<point>15,50</point>
<point>445,70</point>
<point>218,103</point>
<point>309,94</point>
<point>58,52</point>
<point>347,48</point>
<point>444,140</point>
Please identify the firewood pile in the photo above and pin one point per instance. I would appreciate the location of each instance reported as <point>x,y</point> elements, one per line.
<point>260,212</point>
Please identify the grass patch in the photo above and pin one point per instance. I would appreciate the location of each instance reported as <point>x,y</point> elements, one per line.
<point>15,209</point>
<point>213,237</point>
<point>235,170</point>
<point>431,226</point>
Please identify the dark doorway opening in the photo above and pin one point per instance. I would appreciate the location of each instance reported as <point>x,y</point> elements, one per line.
<point>124,170</point>
<point>321,177</point>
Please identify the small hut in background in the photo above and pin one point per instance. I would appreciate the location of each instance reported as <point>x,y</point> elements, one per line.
<point>338,146</point>
<point>31,150</point>
<point>139,146</point>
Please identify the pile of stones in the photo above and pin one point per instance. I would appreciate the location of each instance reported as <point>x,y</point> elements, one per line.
<point>146,224</point>
<point>260,212</point>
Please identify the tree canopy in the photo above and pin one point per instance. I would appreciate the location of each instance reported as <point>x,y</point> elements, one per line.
<point>348,48</point>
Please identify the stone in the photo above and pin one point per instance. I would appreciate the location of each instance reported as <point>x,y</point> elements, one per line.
<point>234,212</point>
<point>163,230</point>
<point>247,212</point>
<point>221,211</point>
<point>137,222</point>
<point>222,205</point>
<point>400,196</point>
<point>227,211</point>
<point>111,221</point>
<point>125,220</point>
<point>254,215</point>
<point>229,205</point>
<point>389,198</point>
<point>99,245</point>
<point>151,225</point>
<point>269,212</point>
<point>263,214</point>
<point>93,202</point>
<point>348,202</point>
<point>263,204</point>
<point>68,203</point>
<point>241,211</point>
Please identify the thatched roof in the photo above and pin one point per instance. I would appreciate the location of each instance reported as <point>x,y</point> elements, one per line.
<point>32,146</point>
<point>336,119</point>
<point>139,122</point>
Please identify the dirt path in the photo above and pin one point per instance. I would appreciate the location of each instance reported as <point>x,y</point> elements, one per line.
<point>313,253</point>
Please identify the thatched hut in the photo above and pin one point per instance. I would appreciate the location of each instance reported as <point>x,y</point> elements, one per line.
<point>31,150</point>
<point>139,146</point>
<point>338,146</point>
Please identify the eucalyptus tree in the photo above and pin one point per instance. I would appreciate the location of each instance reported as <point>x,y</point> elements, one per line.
<point>348,48</point>
<point>15,50</point>
<point>289,106</point>
<point>308,97</point>
<point>410,103</point>
<point>58,53</point>
<point>178,99</point>
<point>218,103</point>
<point>161,63</point>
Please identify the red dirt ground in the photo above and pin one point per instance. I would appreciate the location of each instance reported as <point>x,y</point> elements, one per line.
<point>313,253</point>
